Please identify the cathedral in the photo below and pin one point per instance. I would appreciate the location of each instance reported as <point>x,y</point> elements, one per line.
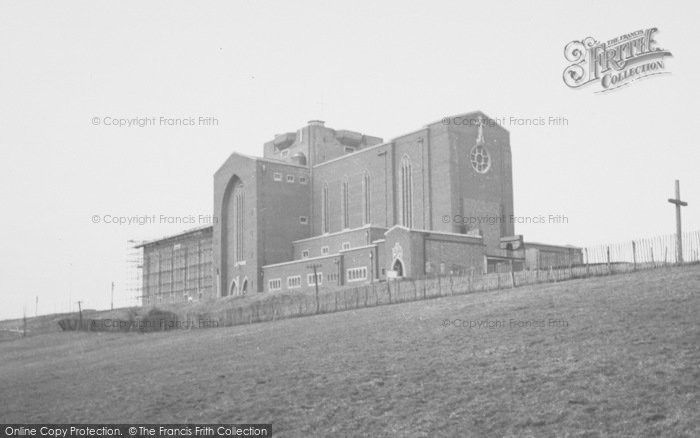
<point>330,208</point>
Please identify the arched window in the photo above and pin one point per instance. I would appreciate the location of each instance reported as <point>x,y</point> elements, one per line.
<point>238,223</point>
<point>324,208</point>
<point>344,208</point>
<point>366,218</point>
<point>406,189</point>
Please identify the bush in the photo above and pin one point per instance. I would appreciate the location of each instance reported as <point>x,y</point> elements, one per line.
<point>158,320</point>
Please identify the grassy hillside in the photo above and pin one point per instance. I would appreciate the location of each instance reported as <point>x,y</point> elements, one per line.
<point>615,355</point>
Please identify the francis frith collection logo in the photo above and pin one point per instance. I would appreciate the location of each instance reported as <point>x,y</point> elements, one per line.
<point>616,62</point>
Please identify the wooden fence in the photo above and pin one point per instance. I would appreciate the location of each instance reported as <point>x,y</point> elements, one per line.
<point>601,260</point>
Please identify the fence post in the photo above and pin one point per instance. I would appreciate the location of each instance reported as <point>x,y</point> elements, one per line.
<point>653,264</point>
<point>609,266</point>
<point>512,275</point>
<point>388,290</point>
<point>451,285</point>
<point>634,254</point>
<point>588,272</point>
<point>471,279</point>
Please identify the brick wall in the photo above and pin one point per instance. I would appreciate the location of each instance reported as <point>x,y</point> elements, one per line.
<point>352,168</point>
<point>453,257</point>
<point>541,256</point>
<point>272,217</point>
<point>328,268</point>
<point>355,238</point>
<point>479,194</point>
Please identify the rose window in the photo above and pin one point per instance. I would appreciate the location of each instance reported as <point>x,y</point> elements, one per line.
<point>481,161</point>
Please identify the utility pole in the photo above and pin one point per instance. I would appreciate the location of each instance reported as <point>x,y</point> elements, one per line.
<point>679,233</point>
<point>80,313</point>
<point>315,267</point>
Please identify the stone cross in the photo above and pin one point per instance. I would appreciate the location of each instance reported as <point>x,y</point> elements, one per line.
<point>679,235</point>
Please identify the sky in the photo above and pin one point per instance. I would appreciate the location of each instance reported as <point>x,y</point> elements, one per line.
<point>267,67</point>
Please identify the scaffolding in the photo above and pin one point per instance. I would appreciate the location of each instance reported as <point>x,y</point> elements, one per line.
<point>134,273</point>
<point>177,268</point>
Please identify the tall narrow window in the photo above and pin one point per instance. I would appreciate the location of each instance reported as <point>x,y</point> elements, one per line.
<point>406,201</point>
<point>365,199</point>
<point>324,208</point>
<point>238,223</point>
<point>345,210</point>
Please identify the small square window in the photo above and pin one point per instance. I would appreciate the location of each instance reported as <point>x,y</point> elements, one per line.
<point>346,245</point>
<point>349,150</point>
<point>303,220</point>
<point>324,250</point>
<point>303,180</point>
<point>290,178</point>
<point>277,176</point>
<point>305,254</point>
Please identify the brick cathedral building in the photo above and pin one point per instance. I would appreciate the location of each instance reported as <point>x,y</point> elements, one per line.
<point>356,209</point>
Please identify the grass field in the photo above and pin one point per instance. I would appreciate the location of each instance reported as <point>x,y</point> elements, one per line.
<point>616,356</point>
